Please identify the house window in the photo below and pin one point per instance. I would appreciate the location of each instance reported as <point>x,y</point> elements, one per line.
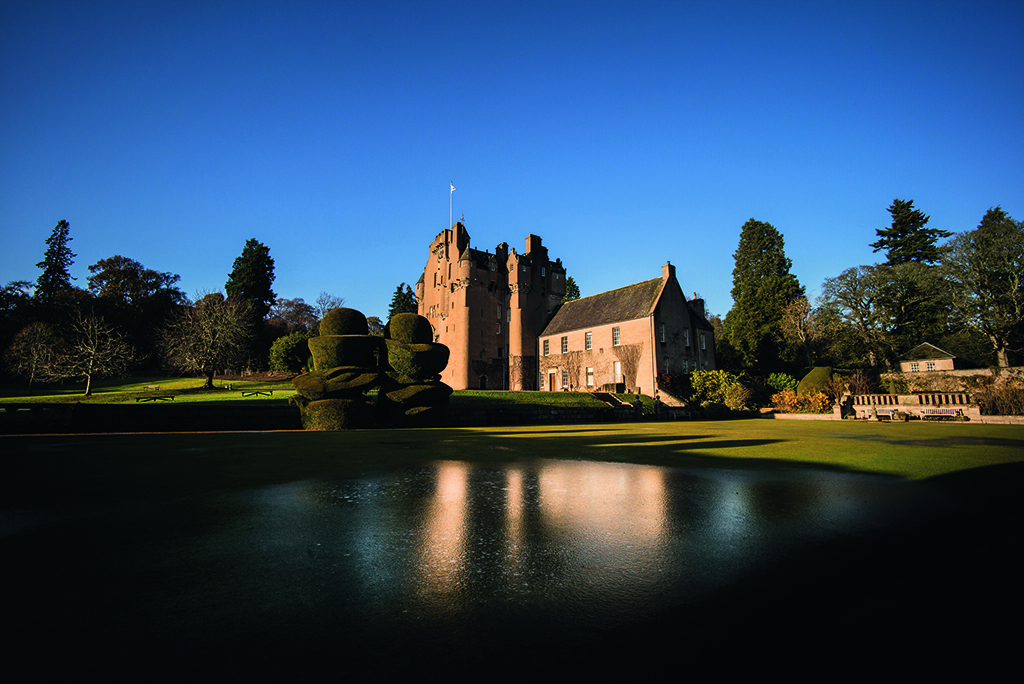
<point>615,337</point>
<point>702,345</point>
<point>565,378</point>
<point>542,381</point>
<point>588,341</point>
<point>590,377</point>
<point>498,331</point>
<point>565,345</point>
<point>686,365</point>
<point>929,365</point>
<point>914,367</point>
<point>686,338</point>
<point>546,349</point>
<point>499,312</point>
<point>617,369</point>
<point>543,271</point>
<point>661,332</point>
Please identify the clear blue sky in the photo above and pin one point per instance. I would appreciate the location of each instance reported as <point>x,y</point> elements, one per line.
<point>624,134</point>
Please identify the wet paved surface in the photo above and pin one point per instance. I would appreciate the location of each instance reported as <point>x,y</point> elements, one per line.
<point>462,568</point>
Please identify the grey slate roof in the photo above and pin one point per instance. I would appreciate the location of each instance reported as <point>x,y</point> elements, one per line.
<point>926,351</point>
<point>623,304</point>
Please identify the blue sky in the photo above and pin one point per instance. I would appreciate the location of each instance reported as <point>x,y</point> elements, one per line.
<point>624,134</point>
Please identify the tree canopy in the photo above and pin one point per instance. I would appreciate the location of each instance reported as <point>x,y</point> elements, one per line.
<point>251,278</point>
<point>908,239</point>
<point>985,272</point>
<point>403,301</point>
<point>211,335</point>
<point>126,282</point>
<point>55,264</point>
<point>762,288</point>
<point>572,290</point>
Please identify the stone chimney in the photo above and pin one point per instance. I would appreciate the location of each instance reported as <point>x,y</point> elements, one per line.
<point>668,271</point>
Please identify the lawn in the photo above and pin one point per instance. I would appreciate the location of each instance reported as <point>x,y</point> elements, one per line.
<point>904,450</point>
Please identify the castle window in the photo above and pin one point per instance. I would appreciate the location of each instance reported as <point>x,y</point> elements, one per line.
<point>543,271</point>
<point>499,312</point>
<point>702,344</point>
<point>615,337</point>
<point>686,338</point>
<point>547,351</point>
<point>661,332</point>
<point>588,341</point>
<point>565,378</point>
<point>565,345</point>
<point>590,377</point>
<point>498,331</point>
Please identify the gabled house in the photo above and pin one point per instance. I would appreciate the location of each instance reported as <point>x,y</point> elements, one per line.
<point>625,338</point>
<point>925,358</point>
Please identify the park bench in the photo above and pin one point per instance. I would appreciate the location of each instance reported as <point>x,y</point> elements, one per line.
<point>257,392</point>
<point>154,397</point>
<point>942,413</point>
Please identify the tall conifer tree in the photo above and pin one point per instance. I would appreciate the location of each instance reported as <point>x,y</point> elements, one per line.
<point>250,279</point>
<point>762,288</point>
<point>907,239</point>
<point>55,264</point>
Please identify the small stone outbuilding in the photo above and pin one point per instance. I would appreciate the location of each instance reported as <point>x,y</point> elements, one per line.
<point>925,358</point>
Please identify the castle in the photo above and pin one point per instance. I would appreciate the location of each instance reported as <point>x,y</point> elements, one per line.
<point>503,319</point>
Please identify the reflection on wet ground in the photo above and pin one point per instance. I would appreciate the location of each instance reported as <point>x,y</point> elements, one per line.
<point>455,566</point>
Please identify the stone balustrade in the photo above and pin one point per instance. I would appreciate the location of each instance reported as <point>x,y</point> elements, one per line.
<point>959,405</point>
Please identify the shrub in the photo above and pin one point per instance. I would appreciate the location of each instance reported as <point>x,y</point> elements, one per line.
<point>782,381</point>
<point>815,381</point>
<point>409,328</point>
<point>788,401</point>
<point>1005,399</point>
<point>712,386</point>
<point>291,352</point>
<point>737,397</point>
<point>344,322</point>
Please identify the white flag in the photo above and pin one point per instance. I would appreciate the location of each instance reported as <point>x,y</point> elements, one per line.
<point>453,186</point>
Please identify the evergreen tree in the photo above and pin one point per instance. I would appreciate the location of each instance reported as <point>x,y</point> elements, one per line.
<point>907,239</point>
<point>251,277</point>
<point>762,288</point>
<point>985,272</point>
<point>55,264</point>
<point>403,301</point>
<point>572,290</point>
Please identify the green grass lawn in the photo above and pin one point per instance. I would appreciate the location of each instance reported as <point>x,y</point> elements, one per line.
<point>904,450</point>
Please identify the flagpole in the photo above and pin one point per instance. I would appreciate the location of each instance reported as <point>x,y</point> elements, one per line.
<point>450,194</point>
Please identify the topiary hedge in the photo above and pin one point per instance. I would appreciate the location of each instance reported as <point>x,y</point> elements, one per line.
<point>815,381</point>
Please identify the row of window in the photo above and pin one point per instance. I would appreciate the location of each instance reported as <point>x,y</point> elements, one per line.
<point>915,367</point>
<point>588,340</point>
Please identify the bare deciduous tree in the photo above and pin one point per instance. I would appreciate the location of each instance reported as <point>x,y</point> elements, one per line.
<point>93,350</point>
<point>212,334</point>
<point>33,352</point>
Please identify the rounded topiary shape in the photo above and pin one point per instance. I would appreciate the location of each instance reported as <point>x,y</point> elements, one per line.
<point>345,350</point>
<point>413,362</point>
<point>409,328</point>
<point>815,381</point>
<point>337,414</point>
<point>344,322</point>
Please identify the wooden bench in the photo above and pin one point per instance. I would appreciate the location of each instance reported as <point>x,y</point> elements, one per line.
<point>257,392</point>
<point>942,413</point>
<point>155,397</point>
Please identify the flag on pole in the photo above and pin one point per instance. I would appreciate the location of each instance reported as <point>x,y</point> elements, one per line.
<point>453,186</point>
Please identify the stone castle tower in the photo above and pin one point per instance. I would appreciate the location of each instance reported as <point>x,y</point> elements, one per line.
<point>489,309</point>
